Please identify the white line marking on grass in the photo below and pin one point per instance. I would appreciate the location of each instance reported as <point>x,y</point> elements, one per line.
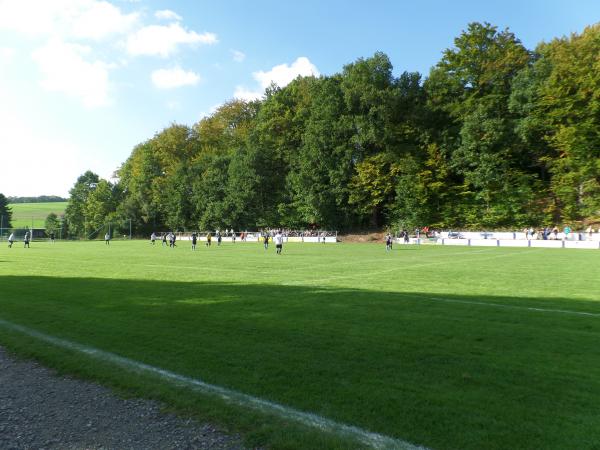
<point>373,440</point>
<point>501,305</point>
<point>390,258</point>
<point>394,269</point>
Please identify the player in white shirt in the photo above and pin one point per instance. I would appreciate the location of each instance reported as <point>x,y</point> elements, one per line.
<point>278,242</point>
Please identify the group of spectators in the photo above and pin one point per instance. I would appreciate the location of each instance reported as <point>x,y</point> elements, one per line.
<point>287,232</point>
<point>418,233</point>
<point>555,233</point>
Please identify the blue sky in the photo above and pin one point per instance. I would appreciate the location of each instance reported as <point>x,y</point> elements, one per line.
<point>83,81</point>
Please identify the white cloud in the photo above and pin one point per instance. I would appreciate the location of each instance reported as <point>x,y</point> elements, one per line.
<point>162,41</point>
<point>101,19</point>
<point>167,14</point>
<point>242,93</point>
<point>281,75</point>
<point>238,56</point>
<point>173,78</point>
<point>64,69</point>
<point>83,19</point>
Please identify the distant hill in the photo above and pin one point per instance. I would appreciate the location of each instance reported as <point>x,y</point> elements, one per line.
<point>39,199</point>
<point>34,214</point>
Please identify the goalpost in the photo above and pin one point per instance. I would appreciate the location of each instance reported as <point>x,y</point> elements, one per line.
<point>116,229</point>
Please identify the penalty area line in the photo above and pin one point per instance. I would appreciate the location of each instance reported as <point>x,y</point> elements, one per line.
<point>502,305</point>
<point>374,440</point>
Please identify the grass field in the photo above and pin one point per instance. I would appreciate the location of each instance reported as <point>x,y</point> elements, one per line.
<point>26,214</point>
<point>444,347</point>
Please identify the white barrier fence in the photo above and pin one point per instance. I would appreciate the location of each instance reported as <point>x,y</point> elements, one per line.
<point>510,235</point>
<point>258,238</point>
<point>590,242</point>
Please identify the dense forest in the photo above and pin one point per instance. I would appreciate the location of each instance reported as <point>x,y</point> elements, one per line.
<point>38,199</point>
<point>496,136</point>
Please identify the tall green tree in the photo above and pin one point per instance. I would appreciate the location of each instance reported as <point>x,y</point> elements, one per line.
<point>75,213</point>
<point>372,186</point>
<point>52,223</point>
<point>566,105</point>
<point>101,204</point>
<point>324,164</point>
<point>272,153</point>
<point>472,85</point>
<point>5,212</point>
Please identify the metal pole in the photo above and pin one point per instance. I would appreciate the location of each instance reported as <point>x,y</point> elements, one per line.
<point>130,229</point>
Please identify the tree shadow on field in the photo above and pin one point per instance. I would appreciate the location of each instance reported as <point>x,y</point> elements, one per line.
<point>423,366</point>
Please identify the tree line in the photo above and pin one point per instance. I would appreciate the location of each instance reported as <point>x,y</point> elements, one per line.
<point>37,199</point>
<point>496,136</point>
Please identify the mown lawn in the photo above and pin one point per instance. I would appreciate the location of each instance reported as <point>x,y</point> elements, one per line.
<point>445,347</point>
<point>34,214</point>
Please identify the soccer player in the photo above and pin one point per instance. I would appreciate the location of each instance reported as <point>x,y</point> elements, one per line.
<point>194,240</point>
<point>266,240</point>
<point>26,240</point>
<point>52,237</point>
<point>219,238</point>
<point>278,241</point>
<point>388,242</point>
<point>406,237</point>
<point>11,239</point>
<point>208,239</point>
<point>107,238</point>
<point>153,237</point>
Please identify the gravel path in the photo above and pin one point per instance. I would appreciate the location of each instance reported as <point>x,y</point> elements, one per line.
<point>40,410</point>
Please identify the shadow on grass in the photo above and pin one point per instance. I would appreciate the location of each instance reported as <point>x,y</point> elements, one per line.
<point>442,370</point>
